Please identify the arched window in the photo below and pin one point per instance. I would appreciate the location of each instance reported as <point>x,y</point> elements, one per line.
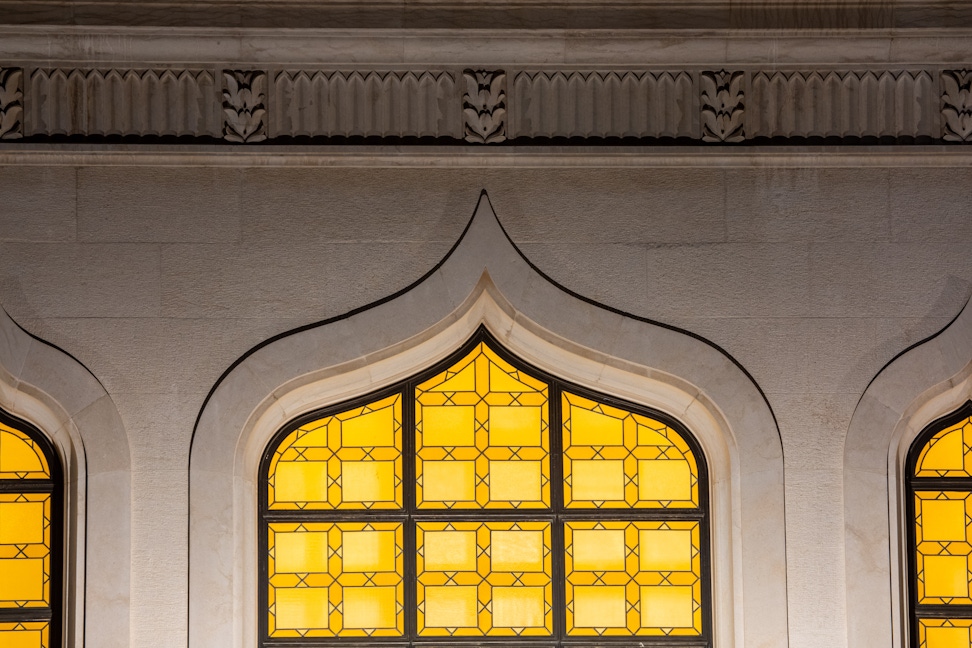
<point>479,501</point>
<point>30,537</point>
<point>940,539</point>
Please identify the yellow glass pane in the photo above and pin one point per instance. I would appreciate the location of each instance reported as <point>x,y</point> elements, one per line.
<point>947,638</point>
<point>301,481</point>
<point>20,457</point>
<point>302,607</point>
<point>449,481</point>
<point>449,425</point>
<point>21,579</point>
<point>616,458</point>
<point>664,479</point>
<point>24,634</point>
<point>600,606</point>
<point>450,551</point>
<point>944,633</point>
<point>516,551</point>
<point>487,413</point>
<point>301,552</point>
<point>598,550</point>
<point>369,430</point>
<point>451,606</point>
<point>666,606</point>
<point>369,607</point>
<point>369,551</point>
<point>515,481</point>
<point>595,429</point>
<point>518,607</point>
<point>946,576</point>
<point>505,568</point>
<point>665,550</point>
<point>349,460</point>
<point>515,426</point>
<point>943,520</point>
<point>948,453</point>
<point>598,480</point>
<point>631,556</point>
<point>341,579</point>
<point>21,522</point>
<point>368,481</point>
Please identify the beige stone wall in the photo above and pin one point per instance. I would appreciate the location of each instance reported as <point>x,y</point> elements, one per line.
<point>157,278</point>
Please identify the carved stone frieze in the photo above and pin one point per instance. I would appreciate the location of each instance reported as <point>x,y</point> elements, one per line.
<point>363,104</point>
<point>722,106</point>
<point>11,103</point>
<point>957,105</point>
<point>244,106</point>
<point>605,104</point>
<point>569,106</point>
<point>843,104</point>
<point>103,102</point>
<point>484,106</point>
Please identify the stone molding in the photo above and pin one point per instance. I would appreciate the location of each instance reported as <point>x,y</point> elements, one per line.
<point>202,104</point>
<point>500,14</point>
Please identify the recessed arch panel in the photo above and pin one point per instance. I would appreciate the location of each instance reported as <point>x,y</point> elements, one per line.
<point>486,282</point>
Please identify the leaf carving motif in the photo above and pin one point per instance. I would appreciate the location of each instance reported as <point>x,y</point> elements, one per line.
<point>722,106</point>
<point>484,106</point>
<point>11,103</point>
<point>244,111</point>
<point>957,105</point>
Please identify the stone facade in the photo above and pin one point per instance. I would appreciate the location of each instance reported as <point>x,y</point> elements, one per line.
<point>741,219</point>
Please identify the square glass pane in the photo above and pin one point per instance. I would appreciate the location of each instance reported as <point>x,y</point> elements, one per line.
<point>633,578</point>
<point>24,634</point>
<point>942,532</point>
<point>478,579</point>
<point>339,579</point>
<point>25,550</point>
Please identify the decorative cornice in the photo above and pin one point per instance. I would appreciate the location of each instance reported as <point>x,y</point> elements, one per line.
<point>171,104</point>
<point>11,103</point>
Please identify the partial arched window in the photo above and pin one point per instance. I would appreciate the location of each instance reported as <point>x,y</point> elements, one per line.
<point>484,500</point>
<point>30,537</point>
<point>940,537</point>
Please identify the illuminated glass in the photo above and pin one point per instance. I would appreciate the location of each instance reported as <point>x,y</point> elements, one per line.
<point>484,579</point>
<point>940,508</point>
<point>633,578</point>
<point>29,538</point>
<point>484,501</point>
<point>481,438</point>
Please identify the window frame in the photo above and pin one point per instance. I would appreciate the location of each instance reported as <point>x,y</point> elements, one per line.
<point>54,614</point>
<point>557,514</point>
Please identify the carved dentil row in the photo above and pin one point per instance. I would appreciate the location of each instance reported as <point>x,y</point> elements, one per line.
<point>485,106</point>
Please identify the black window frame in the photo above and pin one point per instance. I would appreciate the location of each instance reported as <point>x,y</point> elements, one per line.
<point>557,515</point>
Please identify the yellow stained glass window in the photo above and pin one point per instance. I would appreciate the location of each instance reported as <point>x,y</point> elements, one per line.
<point>21,456</point>
<point>483,500</point>
<point>484,579</point>
<point>29,536</point>
<point>349,460</point>
<point>25,634</point>
<point>481,436</point>
<point>614,458</point>
<point>633,578</point>
<point>335,580</point>
<point>940,507</point>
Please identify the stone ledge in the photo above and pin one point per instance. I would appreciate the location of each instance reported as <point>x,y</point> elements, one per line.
<point>518,14</point>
